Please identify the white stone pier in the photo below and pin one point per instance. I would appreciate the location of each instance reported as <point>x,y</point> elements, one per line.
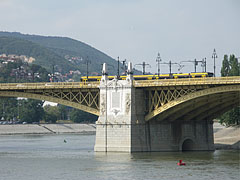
<point>121,126</point>
<point>119,119</point>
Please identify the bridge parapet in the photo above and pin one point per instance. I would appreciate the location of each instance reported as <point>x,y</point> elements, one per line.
<point>49,85</point>
<point>84,96</point>
<point>187,82</point>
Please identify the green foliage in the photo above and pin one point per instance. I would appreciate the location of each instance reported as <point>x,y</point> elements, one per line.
<point>19,72</point>
<point>79,116</point>
<point>64,110</point>
<point>234,66</point>
<point>31,110</point>
<point>225,66</point>
<point>48,51</point>
<point>52,114</point>
<point>42,73</point>
<point>43,55</point>
<point>231,117</point>
<point>25,110</point>
<point>52,50</point>
<point>230,67</point>
<point>8,108</point>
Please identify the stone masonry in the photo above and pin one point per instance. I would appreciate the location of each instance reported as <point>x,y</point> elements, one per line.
<point>121,126</point>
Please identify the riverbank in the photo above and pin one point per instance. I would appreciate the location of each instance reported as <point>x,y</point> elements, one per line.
<point>47,129</point>
<point>224,138</point>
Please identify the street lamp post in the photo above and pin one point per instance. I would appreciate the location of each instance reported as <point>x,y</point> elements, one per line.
<point>214,56</point>
<point>158,60</point>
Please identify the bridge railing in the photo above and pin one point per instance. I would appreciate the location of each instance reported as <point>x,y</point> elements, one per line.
<point>188,81</point>
<point>49,85</point>
<point>138,83</point>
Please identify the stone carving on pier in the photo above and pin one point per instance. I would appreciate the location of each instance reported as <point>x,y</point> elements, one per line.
<point>103,105</point>
<point>128,103</point>
<point>115,84</point>
<point>115,111</point>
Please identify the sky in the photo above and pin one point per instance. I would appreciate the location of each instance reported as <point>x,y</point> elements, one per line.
<point>135,30</point>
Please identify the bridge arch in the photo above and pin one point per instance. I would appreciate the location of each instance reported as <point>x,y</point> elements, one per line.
<point>187,145</point>
<point>195,105</point>
<point>51,99</point>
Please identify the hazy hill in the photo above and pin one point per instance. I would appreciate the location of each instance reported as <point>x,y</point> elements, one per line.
<point>56,50</point>
<point>43,56</point>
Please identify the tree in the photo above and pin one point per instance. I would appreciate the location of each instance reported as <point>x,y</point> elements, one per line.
<point>225,66</point>
<point>31,110</point>
<point>22,72</point>
<point>234,66</point>
<point>52,114</point>
<point>79,116</point>
<point>64,110</point>
<point>8,108</point>
<point>230,67</point>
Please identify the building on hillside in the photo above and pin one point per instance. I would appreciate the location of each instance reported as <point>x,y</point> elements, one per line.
<point>14,58</point>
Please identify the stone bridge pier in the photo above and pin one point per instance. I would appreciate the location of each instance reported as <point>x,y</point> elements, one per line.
<point>121,126</point>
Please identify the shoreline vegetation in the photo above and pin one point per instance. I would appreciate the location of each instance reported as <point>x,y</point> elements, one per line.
<point>224,137</point>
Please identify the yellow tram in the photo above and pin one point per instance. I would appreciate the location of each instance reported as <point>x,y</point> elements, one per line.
<point>151,77</point>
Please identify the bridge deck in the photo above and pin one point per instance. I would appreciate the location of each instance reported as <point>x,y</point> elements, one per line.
<point>49,85</point>
<point>138,84</point>
<point>188,81</point>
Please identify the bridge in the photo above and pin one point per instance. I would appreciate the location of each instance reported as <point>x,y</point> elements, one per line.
<point>147,115</point>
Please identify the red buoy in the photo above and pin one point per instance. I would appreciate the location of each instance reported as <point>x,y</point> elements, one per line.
<point>180,163</point>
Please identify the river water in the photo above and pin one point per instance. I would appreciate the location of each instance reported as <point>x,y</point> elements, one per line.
<point>49,157</point>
